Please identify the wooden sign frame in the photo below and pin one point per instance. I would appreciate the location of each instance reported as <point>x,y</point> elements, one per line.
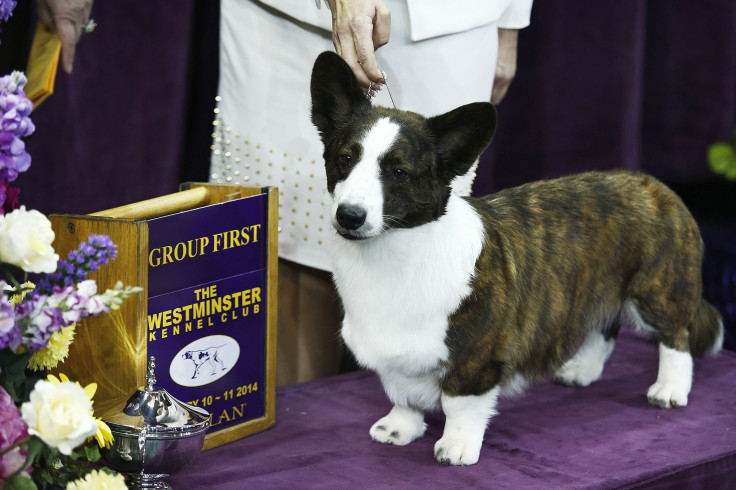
<point>111,350</point>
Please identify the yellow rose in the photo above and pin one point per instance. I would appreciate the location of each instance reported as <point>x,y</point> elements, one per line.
<point>60,413</point>
<point>25,241</point>
<point>98,480</point>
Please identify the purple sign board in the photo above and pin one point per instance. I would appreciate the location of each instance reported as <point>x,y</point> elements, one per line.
<point>207,307</point>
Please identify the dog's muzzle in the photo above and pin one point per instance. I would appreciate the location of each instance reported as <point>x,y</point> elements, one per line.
<point>350,218</point>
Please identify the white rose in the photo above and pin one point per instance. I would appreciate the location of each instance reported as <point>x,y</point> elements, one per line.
<point>25,241</point>
<point>60,415</point>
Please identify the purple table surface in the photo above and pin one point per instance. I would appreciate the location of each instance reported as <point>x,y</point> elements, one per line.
<point>602,436</point>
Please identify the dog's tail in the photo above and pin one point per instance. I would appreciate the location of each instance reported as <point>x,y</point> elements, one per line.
<point>706,330</point>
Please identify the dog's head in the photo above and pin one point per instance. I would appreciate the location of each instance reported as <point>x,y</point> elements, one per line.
<point>388,168</point>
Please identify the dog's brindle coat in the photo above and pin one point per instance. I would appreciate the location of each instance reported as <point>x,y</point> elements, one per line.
<point>562,262</point>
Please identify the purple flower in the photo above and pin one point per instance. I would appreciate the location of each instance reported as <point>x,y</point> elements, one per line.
<point>15,111</point>
<point>10,334</point>
<point>7,314</point>
<point>12,430</point>
<point>12,339</point>
<point>96,305</point>
<point>77,302</point>
<point>97,251</point>
<point>6,9</point>
<point>8,198</point>
<point>40,317</point>
<point>13,83</point>
<point>15,124</point>
<point>44,325</point>
<point>13,160</point>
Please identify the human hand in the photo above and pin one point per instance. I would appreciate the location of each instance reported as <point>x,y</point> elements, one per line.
<point>506,63</point>
<point>65,17</point>
<point>359,28</point>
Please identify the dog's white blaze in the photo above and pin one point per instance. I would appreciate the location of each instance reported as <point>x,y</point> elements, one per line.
<point>399,290</point>
<point>363,186</point>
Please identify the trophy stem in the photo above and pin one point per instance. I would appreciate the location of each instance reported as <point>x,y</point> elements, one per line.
<point>143,481</point>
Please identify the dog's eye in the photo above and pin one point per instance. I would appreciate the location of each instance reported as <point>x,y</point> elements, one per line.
<point>399,174</point>
<point>345,161</point>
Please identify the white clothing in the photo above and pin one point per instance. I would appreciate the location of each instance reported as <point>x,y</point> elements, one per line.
<point>440,56</point>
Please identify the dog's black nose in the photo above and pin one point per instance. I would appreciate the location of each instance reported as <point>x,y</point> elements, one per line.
<point>350,217</point>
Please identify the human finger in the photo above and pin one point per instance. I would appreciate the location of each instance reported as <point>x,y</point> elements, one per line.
<point>499,91</point>
<point>381,26</point>
<point>343,41</point>
<point>362,33</point>
<point>69,33</point>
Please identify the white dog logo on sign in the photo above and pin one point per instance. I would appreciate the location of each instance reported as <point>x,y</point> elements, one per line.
<point>205,360</point>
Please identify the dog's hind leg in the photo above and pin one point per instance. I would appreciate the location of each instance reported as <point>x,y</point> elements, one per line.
<point>219,361</point>
<point>675,374</point>
<point>586,366</point>
<point>674,378</point>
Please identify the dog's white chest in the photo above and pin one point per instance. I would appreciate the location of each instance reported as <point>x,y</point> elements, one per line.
<point>400,289</point>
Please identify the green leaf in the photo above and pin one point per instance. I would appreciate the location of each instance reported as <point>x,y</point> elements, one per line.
<point>35,446</point>
<point>721,157</point>
<point>730,172</point>
<point>19,482</point>
<point>14,365</point>
<point>93,453</point>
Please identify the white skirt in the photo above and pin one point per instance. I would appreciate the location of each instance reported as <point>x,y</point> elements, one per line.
<point>263,134</point>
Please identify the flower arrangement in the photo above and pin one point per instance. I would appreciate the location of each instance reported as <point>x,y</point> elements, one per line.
<point>48,432</point>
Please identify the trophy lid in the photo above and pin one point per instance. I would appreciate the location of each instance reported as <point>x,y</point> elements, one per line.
<point>155,410</point>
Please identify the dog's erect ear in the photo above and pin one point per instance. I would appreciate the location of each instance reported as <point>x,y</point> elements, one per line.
<point>335,93</point>
<point>461,135</point>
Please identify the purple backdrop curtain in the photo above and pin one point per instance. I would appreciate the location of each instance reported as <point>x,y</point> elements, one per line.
<point>617,84</point>
<point>116,130</point>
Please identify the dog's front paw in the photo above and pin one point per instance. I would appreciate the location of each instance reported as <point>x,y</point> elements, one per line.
<point>668,395</point>
<point>400,427</point>
<point>457,451</point>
